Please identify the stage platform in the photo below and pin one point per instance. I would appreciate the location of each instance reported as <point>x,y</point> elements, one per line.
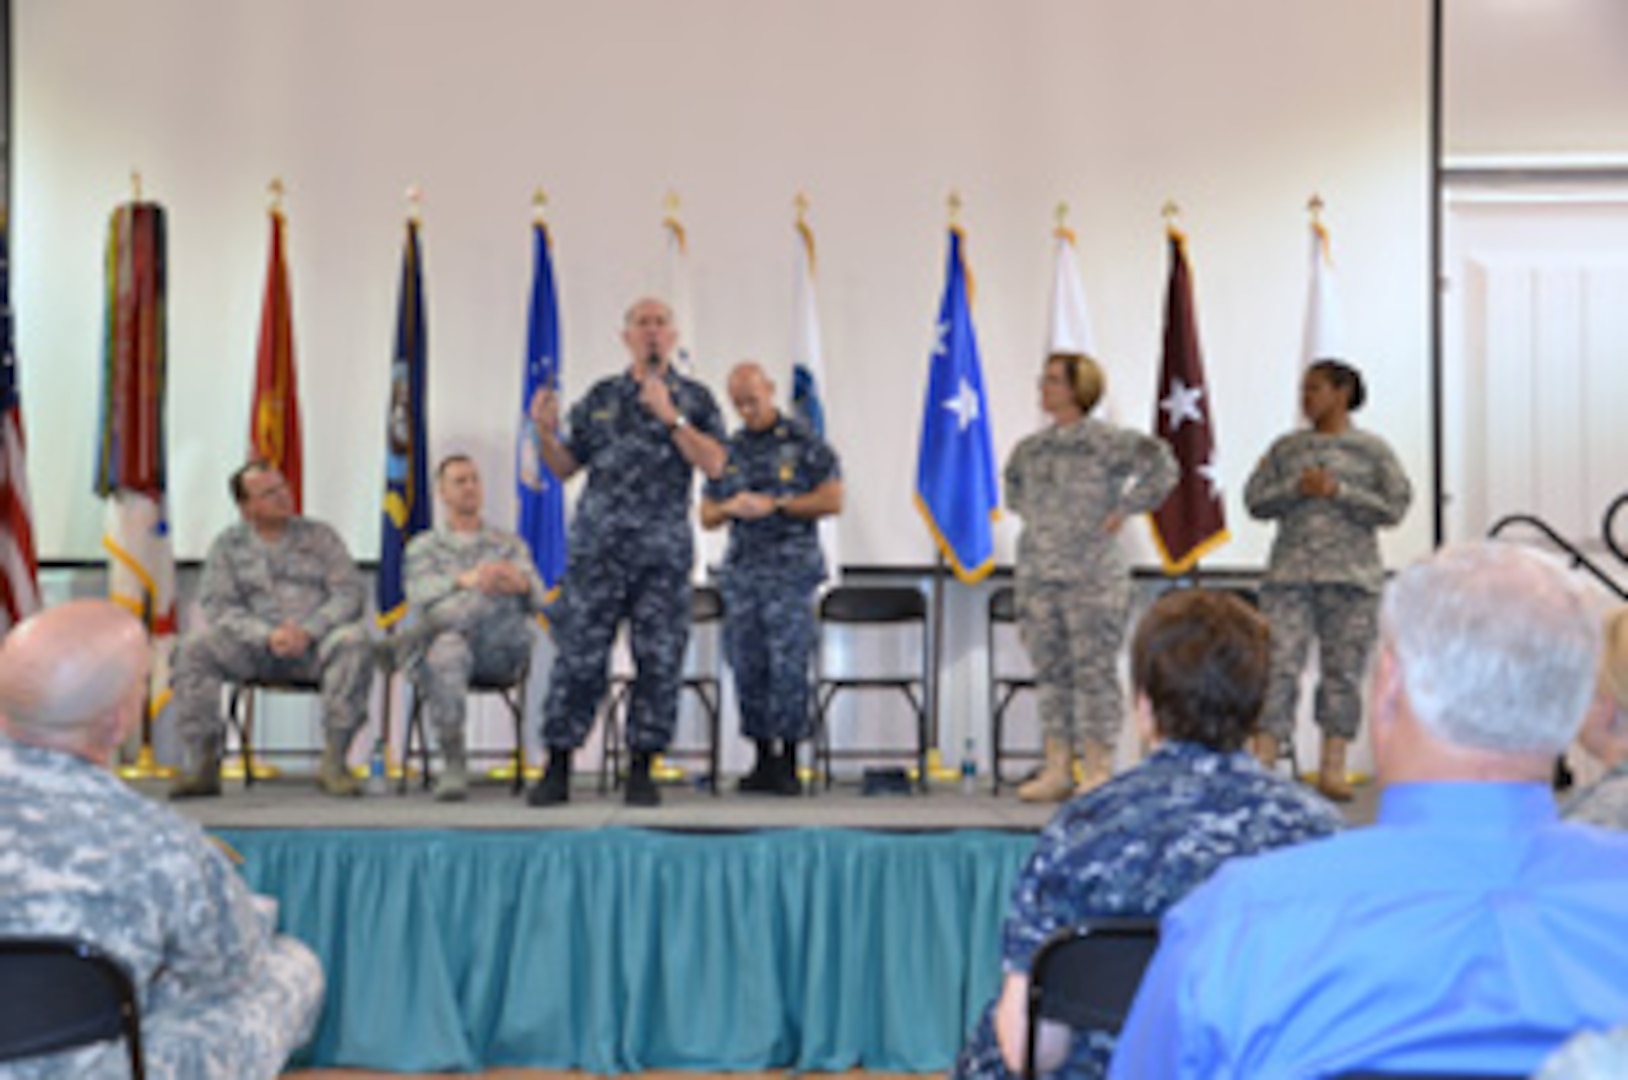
<point>819,934</point>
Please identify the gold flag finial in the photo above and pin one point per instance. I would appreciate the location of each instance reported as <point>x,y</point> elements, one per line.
<point>539,202</point>
<point>1315,206</point>
<point>669,203</point>
<point>1170,212</point>
<point>1061,214</point>
<point>955,208</point>
<point>801,203</point>
<point>415,203</point>
<point>274,191</point>
<point>135,185</point>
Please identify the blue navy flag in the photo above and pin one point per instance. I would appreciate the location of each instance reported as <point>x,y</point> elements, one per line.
<point>955,471</point>
<point>541,495</point>
<point>406,466</point>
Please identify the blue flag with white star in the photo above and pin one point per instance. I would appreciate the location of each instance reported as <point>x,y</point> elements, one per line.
<point>541,495</point>
<point>955,470</point>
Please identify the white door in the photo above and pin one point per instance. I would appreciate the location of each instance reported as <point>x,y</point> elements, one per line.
<point>1535,404</point>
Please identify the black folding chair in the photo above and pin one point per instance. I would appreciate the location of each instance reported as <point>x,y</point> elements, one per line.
<point>240,710</point>
<point>873,606</point>
<point>1004,686</point>
<point>512,692</point>
<point>60,995</point>
<point>1086,976</point>
<point>706,610</point>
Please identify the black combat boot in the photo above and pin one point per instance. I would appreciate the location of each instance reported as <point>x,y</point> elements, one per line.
<point>764,779</point>
<point>786,781</point>
<point>555,786</point>
<point>641,790</point>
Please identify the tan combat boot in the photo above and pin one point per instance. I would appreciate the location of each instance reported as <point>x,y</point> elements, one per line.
<point>453,783</point>
<point>1331,778</point>
<point>1056,780</point>
<point>1264,745</point>
<point>333,774</point>
<point>1099,766</point>
<point>203,781</point>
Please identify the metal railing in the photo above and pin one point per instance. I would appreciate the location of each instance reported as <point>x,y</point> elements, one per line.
<point>1579,560</point>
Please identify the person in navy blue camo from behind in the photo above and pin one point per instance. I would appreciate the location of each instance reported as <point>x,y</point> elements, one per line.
<point>1140,842</point>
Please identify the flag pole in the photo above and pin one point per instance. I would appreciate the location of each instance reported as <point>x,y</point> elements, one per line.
<point>146,766</point>
<point>1171,212</point>
<point>662,770</point>
<point>385,652</point>
<point>936,768</point>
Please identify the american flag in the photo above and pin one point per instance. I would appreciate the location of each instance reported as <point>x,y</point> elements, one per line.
<point>19,569</point>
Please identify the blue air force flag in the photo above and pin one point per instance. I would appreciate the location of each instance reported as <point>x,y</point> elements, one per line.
<point>541,496</point>
<point>955,471</point>
<point>406,511</point>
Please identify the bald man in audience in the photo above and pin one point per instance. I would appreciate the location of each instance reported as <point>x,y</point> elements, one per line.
<point>1469,930</point>
<point>83,856</point>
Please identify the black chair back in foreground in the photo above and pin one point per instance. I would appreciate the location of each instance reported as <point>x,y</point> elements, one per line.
<point>62,994</point>
<point>1086,976</point>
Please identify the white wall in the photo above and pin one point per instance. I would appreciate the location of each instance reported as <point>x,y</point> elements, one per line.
<point>1536,79</point>
<point>1238,111</point>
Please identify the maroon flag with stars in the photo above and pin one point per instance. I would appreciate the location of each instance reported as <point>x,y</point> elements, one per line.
<point>1192,521</point>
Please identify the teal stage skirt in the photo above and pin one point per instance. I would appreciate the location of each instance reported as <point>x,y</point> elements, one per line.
<point>622,950</point>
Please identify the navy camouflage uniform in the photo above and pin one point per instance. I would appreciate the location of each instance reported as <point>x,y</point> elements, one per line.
<point>84,856</point>
<point>249,588</point>
<point>770,572</point>
<point>460,635</point>
<point>1324,575</point>
<point>1073,589</point>
<point>631,550</point>
<point>1135,846</point>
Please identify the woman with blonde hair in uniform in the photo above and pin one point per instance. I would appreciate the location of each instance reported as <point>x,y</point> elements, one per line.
<point>1074,483</point>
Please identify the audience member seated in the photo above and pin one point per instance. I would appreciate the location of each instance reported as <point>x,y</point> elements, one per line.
<point>1139,842</point>
<point>84,856</point>
<point>1469,929</point>
<point>472,590</point>
<point>283,601</point>
<point>1605,733</point>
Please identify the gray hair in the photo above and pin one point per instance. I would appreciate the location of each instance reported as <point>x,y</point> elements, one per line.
<point>1497,646</point>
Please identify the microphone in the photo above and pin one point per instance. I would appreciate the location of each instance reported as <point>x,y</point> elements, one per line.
<point>653,361</point>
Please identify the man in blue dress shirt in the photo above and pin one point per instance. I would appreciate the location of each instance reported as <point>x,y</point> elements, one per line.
<point>1469,929</point>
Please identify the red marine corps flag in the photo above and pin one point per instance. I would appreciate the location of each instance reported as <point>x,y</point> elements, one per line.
<point>1192,522</point>
<point>274,416</point>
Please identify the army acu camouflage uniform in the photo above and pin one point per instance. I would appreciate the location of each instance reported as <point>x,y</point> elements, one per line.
<point>631,549</point>
<point>1324,575</point>
<point>463,634</point>
<point>1073,588</point>
<point>1604,802</point>
<point>84,856</point>
<point>1135,846</point>
<point>770,572</point>
<point>249,588</point>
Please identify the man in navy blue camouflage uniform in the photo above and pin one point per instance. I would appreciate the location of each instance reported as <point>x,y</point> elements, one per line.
<point>1144,839</point>
<point>640,435</point>
<point>781,478</point>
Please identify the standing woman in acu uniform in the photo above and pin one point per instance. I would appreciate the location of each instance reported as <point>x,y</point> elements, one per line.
<point>1330,488</point>
<point>1074,483</point>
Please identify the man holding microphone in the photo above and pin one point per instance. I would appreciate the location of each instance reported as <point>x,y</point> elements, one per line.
<point>639,435</point>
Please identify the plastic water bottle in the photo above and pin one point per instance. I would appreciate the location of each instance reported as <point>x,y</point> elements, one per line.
<point>969,770</point>
<point>376,784</point>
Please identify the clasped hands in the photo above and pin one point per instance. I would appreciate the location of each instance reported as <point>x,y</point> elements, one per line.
<point>497,578</point>
<point>1318,483</point>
